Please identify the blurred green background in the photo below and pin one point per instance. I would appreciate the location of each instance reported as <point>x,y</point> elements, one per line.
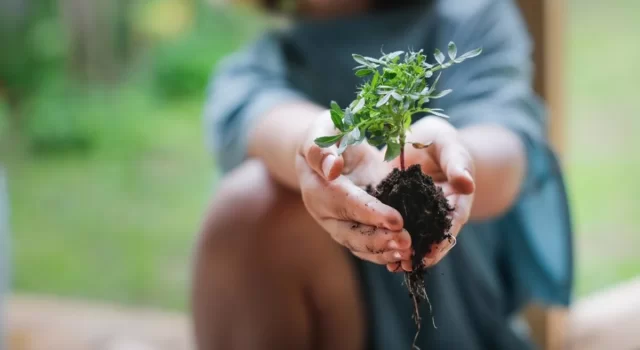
<point>101,134</point>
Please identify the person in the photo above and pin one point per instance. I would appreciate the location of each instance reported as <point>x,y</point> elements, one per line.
<point>279,262</point>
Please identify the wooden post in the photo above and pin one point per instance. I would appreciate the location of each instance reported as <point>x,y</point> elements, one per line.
<point>546,20</point>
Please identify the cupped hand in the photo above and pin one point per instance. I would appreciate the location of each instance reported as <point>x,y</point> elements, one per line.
<point>332,191</point>
<point>447,160</point>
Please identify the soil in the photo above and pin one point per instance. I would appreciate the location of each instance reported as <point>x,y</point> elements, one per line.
<point>425,211</point>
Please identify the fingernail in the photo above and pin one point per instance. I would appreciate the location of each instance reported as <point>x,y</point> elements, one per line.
<point>393,245</point>
<point>428,261</point>
<point>327,164</point>
<point>467,173</point>
<point>397,255</point>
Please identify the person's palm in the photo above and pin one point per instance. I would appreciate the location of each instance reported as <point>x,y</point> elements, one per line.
<point>448,162</point>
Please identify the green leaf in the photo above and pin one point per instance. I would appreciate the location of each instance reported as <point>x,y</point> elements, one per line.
<point>453,50</point>
<point>352,138</point>
<point>374,81</point>
<point>435,82</point>
<point>358,106</point>
<point>428,74</point>
<point>360,59</point>
<point>439,56</point>
<point>470,54</point>
<point>373,60</point>
<point>361,73</point>
<point>343,147</point>
<point>375,141</point>
<point>389,74</point>
<point>327,141</point>
<point>393,151</point>
<point>336,108</point>
<point>348,117</point>
<point>383,100</point>
<point>355,136</point>
<point>442,93</point>
<point>337,120</point>
<point>438,113</point>
<point>407,121</point>
<point>396,96</point>
<point>336,116</point>
<point>393,55</point>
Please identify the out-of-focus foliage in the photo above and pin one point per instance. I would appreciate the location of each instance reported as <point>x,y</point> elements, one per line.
<point>163,19</point>
<point>3,119</point>
<point>32,49</point>
<point>58,119</point>
<point>183,67</point>
<point>50,74</point>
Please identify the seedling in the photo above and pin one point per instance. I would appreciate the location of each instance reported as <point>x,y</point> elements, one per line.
<point>384,109</point>
<point>399,86</point>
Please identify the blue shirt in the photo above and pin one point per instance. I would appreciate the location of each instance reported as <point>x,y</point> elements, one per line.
<point>498,265</point>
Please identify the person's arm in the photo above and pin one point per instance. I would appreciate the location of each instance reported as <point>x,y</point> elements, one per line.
<point>278,135</point>
<point>253,112</point>
<point>500,164</point>
<point>499,117</point>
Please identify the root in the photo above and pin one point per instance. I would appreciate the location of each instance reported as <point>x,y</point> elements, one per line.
<point>414,281</point>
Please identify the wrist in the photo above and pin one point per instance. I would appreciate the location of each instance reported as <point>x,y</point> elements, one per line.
<point>500,166</point>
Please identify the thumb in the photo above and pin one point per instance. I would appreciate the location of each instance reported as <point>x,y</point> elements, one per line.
<point>325,161</point>
<point>458,166</point>
<point>461,179</point>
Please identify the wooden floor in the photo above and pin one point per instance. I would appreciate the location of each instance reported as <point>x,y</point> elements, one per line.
<point>37,323</point>
<point>605,321</point>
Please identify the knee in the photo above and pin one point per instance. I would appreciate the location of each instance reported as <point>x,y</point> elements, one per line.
<point>242,198</point>
<point>234,255</point>
<point>249,212</point>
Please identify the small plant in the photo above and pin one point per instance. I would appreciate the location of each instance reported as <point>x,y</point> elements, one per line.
<point>386,103</point>
<point>400,86</point>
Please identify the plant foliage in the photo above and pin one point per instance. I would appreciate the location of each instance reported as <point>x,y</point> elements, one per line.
<point>398,86</point>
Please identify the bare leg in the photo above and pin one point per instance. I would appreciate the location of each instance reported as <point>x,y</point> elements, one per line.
<point>267,277</point>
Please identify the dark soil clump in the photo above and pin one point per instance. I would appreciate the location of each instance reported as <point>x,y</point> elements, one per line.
<point>425,211</point>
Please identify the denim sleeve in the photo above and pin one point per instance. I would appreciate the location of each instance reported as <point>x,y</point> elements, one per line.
<point>246,85</point>
<point>495,87</point>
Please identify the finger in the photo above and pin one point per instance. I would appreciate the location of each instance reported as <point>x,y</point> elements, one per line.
<point>379,259</point>
<point>366,239</point>
<point>439,251</point>
<point>394,267</point>
<point>447,189</point>
<point>386,258</point>
<point>359,206</point>
<point>406,265</point>
<point>460,216</point>
<point>324,161</point>
<point>461,211</point>
<point>456,162</point>
<point>346,201</point>
<point>397,255</point>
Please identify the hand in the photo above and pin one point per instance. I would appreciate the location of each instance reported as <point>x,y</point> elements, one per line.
<point>330,190</point>
<point>451,166</point>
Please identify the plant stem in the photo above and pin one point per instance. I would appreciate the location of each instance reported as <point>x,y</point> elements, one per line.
<point>402,142</point>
